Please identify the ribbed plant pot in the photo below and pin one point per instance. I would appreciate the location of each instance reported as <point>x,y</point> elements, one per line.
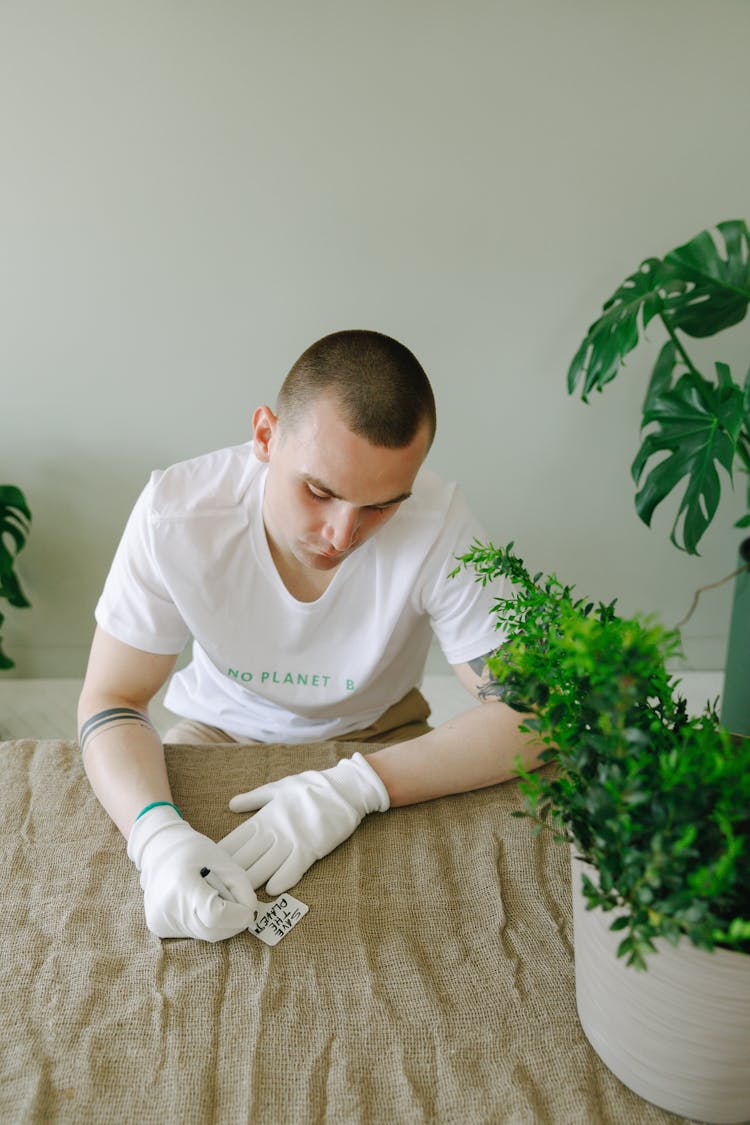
<point>677,1034</point>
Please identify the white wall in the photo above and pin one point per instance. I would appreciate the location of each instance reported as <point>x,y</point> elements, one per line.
<point>193,192</point>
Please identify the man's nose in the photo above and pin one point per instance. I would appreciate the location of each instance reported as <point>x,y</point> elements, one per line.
<point>341,526</point>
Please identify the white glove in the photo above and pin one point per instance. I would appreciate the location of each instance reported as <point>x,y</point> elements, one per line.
<point>305,817</point>
<point>179,901</point>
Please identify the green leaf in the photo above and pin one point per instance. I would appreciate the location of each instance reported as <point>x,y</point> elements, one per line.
<point>700,288</point>
<point>698,425</point>
<point>655,800</point>
<point>5,661</point>
<point>12,497</point>
<point>616,332</point>
<point>15,519</point>
<point>715,267</point>
<point>661,376</point>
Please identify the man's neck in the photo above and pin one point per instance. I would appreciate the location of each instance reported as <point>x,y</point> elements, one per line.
<point>303,583</point>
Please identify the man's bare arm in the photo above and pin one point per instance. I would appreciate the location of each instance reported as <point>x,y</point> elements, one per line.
<point>122,752</point>
<point>475,749</point>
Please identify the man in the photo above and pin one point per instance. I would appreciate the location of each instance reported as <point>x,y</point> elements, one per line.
<point>311,571</point>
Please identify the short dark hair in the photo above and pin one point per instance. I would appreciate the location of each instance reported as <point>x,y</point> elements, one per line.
<point>379,385</point>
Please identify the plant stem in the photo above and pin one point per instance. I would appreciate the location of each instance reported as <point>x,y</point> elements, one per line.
<point>710,586</point>
<point>678,345</point>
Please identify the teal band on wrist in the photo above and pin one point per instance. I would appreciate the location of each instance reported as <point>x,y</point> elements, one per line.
<point>155,804</point>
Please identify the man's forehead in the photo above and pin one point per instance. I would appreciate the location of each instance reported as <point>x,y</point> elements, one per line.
<point>327,454</point>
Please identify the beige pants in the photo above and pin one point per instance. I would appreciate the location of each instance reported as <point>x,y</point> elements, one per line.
<point>404,720</point>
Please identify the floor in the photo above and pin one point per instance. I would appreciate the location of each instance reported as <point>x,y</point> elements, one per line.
<point>46,708</point>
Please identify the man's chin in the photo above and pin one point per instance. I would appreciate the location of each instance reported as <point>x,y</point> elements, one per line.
<point>323,560</point>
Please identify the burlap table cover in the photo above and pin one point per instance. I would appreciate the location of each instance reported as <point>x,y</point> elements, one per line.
<point>431,981</point>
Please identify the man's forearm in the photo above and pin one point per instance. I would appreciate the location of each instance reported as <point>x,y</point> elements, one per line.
<point>471,751</point>
<point>123,758</point>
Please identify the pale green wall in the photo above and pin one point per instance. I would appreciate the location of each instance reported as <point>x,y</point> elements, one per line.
<point>193,192</point>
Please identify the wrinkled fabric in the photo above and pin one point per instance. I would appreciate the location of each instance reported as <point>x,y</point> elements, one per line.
<point>432,980</point>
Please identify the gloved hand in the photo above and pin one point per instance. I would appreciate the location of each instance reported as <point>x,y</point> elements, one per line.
<point>179,902</point>
<point>303,817</point>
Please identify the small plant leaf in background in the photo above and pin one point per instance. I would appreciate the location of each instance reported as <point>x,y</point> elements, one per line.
<point>15,520</point>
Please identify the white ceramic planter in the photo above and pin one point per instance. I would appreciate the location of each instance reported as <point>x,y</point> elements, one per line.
<point>677,1034</point>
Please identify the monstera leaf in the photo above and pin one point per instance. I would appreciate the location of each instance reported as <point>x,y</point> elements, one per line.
<point>743,449</point>
<point>703,424</point>
<point>15,519</point>
<point>698,426</point>
<point>610,338</point>
<point>715,268</point>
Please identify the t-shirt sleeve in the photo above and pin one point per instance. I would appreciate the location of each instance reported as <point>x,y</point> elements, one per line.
<point>460,608</point>
<point>135,606</point>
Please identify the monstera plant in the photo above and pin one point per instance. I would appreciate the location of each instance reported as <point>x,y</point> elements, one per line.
<point>697,421</point>
<point>15,520</point>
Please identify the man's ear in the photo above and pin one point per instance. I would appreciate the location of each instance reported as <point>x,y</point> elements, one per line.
<point>265,426</point>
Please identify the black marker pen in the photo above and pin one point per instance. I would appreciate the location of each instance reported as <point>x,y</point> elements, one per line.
<point>214,881</point>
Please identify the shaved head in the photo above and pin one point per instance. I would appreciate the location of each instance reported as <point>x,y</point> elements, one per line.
<point>378,385</point>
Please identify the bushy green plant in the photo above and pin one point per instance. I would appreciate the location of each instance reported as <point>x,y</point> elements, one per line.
<point>697,422</point>
<point>15,519</point>
<point>657,801</point>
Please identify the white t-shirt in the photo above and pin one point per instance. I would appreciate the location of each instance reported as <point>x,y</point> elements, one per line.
<point>194,561</point>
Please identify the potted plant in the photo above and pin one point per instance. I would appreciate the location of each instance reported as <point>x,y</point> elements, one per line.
<point>697,422</point>
<point>656,806</point>
<point>15,520</point>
